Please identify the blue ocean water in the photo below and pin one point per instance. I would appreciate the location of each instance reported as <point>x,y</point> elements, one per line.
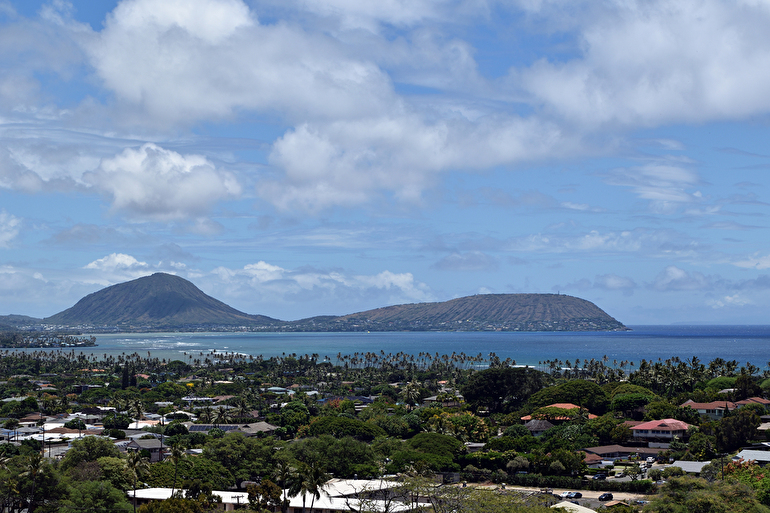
<point>741,343</point>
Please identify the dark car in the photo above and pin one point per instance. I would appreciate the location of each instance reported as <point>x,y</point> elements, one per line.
<point>605,497</point>
<point>600,477</point>
<point>575,495</point>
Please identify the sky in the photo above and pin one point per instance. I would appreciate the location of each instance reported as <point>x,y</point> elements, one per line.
<point>295,158</point>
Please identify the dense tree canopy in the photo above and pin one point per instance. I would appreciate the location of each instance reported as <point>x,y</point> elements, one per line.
<point>585,394</point>
<point>503,389</point>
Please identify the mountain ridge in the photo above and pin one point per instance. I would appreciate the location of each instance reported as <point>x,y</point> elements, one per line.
<point>159,299</point>
<point>168,302</point>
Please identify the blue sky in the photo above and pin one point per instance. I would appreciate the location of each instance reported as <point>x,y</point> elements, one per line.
<point>296,158</point>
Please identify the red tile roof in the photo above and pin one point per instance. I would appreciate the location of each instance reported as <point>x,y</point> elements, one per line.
<point>754,400</point>
<point>663,425</point>
<point>713,405</point>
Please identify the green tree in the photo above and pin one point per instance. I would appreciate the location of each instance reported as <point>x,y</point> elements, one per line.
<point>503,389</point>
<point>115,471</point>
<point>340,427</point>
<point>309,480</point>
<point>294,415</point>
<point>75,424</point>
<point>173,505</point>
<point>516,431</point>
<point>245,457</point>
<point>115,420</point>
<point>585,394</point>
<point>735,430</point>
<point>138,466</point>
<point>176,456</point>
<point>94,496</point>
<point>88,448</point>
<point>265,496</point>
<point>412,394</point>
<point>688,494</point>
<point>283,472</point>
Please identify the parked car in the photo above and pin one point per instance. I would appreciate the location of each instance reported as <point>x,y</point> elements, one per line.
<point>605,497</point>
<point>575,495</point>
<point>566,495</point>
<point>600,477</point>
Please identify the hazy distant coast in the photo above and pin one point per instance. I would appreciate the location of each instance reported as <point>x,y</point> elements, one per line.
<point>164,302</point>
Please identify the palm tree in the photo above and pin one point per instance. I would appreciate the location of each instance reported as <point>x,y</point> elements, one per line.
<point>137,465</point>
<point>137,408</point>
<point>241,408</point>
<point>309,480</point>
<point>284,474</point>
<point>221,416</point>
<point>33,466</point>
<point>206,414</point>
<point>411,393</point>
<point>316,477</point>
<point>176,456</point>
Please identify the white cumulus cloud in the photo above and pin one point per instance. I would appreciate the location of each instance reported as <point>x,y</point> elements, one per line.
<point>649,62</point>
<point>204,59</point>
<point>116,261</point>
<point>156,183</point>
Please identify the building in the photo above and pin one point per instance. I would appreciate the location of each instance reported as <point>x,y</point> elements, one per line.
<point>665,429</point>
<point>538,427</point>
<point>762,458</point>
<point>714,410</point>
<point>690,467</point>
<point>152,445</point>
<point>754,400</point>
<point>616,452</point>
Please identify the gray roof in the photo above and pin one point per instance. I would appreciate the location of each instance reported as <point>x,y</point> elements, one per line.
<point>257,427</point>
<point>538,425</point>
<point>748,454</point>
<point>146,443</point>
<point>691,467</point>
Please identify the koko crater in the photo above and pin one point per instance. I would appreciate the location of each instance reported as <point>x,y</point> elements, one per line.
<point>167,302</point>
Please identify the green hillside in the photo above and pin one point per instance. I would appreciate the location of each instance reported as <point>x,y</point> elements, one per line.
<point>162,300</point>
<point>509,312</point>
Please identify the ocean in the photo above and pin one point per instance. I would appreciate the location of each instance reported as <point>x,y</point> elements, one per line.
<point>741,343</point>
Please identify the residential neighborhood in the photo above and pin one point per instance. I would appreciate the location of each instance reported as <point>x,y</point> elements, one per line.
<point>372,433</point>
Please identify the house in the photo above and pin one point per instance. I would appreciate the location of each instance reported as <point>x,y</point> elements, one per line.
<point>472,447</point>
<point>616,452</point>
<point>761,457</point>
<point>690,467</point>
<point>205,428</point>
<point>447,400</point>
<point>714,410</point>
<point>152,445</point>
<point>256,428</point>
<point>665,429</point>
<point>538,427</point>
<point>593,460</point>
<point>32,419</point>
<point>754,400</point>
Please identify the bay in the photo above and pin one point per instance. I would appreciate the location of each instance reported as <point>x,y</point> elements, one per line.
<point>741,343</point>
